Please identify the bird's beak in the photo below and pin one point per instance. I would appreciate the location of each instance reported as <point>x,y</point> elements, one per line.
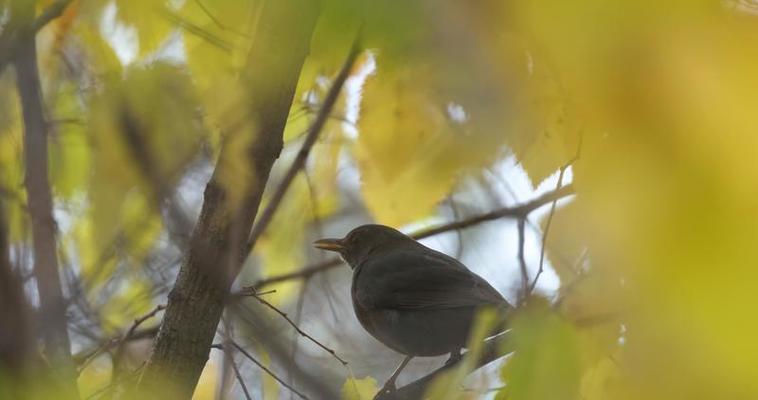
<point>329,244</point>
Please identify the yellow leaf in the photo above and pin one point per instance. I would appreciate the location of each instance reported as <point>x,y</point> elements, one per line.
<point>359,389</point>
<point>148,17</point>
<point>409,152</point>
<point>207,385</point>
<point>546,350</point>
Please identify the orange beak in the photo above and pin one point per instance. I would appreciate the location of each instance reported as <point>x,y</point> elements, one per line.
<point>329,244</point>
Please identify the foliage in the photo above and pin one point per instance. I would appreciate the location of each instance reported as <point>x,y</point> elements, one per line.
<point>653,104</point>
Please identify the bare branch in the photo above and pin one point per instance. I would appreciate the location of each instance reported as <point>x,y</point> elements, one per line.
<point>39,199</point>
<point>120,345</point>
<point>299,163</point>
<point>547,230</point>
<point>251,293</point>
<point>522,262</point>
<point>261,366</point>
<point>229,354</point>
<point>506,212</point>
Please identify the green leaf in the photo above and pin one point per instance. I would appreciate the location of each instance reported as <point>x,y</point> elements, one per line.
<point>546,363</point>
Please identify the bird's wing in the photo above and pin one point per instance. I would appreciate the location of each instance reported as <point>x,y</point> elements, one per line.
<point>413,281</point>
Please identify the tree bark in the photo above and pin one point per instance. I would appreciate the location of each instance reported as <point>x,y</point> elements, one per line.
<point>217,246</point>
<point>16,342</point>
<point>52,308</point>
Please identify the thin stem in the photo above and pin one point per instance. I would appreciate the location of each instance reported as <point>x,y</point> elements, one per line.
<point>299,163</point>
<point>547,229</point>
<point>261,366</point>
<point>292,323</point>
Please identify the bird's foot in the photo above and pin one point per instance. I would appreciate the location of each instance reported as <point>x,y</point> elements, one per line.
<point>454,357</point>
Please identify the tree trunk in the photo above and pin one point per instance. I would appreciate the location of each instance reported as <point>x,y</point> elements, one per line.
<point>217,247</point>
<point>52,308</point>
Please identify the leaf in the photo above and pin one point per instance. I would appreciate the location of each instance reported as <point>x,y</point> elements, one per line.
<point>145,130</point>
<point>148,18</point>
<point>359,389</point>
<point>69,149</point>
<point>408,152</point>
<point>567,240</point>
<point>280,249</point>
<point>207,385</point>
<point>546,350</point>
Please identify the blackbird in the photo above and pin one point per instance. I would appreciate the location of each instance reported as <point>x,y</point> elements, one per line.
<point>415,300</point>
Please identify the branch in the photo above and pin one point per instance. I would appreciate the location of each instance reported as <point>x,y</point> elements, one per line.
<point>494,348</point>
<point>506,212</point>
<point>547,229</point>
<point>253,294</point>
<point>302,156</point>
<point>522,262</point>
<point>12,38</point>
<point>120,344</point>
<point>84,357</point>
<point>40,202</point>
<point>17,343</point>
<point>263,367</point>
<point>229,354</point>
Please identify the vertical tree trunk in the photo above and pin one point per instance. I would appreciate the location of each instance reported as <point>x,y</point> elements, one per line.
<point>16,342</point>
<point>52,309</point>
<point>217,246</point>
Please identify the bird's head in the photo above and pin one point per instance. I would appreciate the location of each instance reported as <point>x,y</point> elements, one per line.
<point>365,240</point>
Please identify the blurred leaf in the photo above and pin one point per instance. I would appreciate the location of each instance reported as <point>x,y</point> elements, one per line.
<point>93,378</point>
<point>409,153</point>
<point>69,147</point>
<point>148,18</point>
<point>359,389</point>
<point>601,381</point>
<point>207,385</point>
<point>99,54</point>
<point>547,359</point>
<point>271,390</point>
<point>133,299</point>
<point>280,248</point>
<point>145,130</point>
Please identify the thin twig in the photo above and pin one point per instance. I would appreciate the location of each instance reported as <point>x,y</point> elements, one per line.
<point>506,212</point>
<point>142,319</point>
<point>552,208</point>
<point>253,294</point>
<point>261,366</point>
<point>547,230</point>
<point>522,261</point>
<point>120,346</point>
<point>299,163</point>
<point>83,358</point>
<point>229,354</point>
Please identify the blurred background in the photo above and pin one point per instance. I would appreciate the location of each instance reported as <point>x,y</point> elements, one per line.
<point>593,160</point>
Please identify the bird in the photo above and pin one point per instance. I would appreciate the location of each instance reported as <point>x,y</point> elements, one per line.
<point>415,300</point>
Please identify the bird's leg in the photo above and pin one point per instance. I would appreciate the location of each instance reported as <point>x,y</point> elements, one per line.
<point>389,386</point>
<point>455,355</point>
